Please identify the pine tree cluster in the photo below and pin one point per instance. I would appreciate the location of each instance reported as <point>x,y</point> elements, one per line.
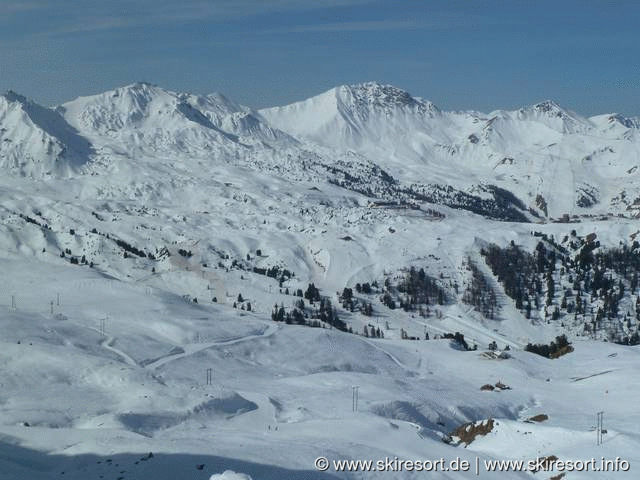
<point>575,282</point>
<point>324,314</point>
<point>480,294</point>
<point>555,349</point>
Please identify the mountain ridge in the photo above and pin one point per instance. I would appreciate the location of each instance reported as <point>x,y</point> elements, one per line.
<point>527,151</point>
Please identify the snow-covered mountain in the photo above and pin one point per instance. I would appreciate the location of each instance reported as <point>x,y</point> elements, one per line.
<point>534,152</point>
<point>234,118</point>
<point>551,161</point>
<point>143,118</point>
<point>350,116</point>
<point>35,141</point>
<point>192,286</point>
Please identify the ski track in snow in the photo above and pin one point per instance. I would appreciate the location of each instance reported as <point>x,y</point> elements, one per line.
<point>108,342</point>
<point>197,348</point>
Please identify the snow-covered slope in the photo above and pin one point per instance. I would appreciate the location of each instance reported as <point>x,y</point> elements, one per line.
<point>144,118</point>
<point>353,115</point>
<point>210,283</point>
<point>134,382</point>
<point>35,141</point>
<point>235,118</point>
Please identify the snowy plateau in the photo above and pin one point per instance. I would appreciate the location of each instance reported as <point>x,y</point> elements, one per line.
<point>194,289</point>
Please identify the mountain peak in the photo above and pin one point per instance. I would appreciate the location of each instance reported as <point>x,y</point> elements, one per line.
<point>141,90</point>
<point>141,86</point>
<point>40,141</point>
<point>120,108</point>
<point>548,106</point>
<point>348,116</point>
<point>376,96</point>
<point>12,96</point>
<point>379,91</point>
<point>624,121</point>
<point>555,117</point>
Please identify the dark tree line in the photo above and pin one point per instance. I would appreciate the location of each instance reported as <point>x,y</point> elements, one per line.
<point>280,274</point>
<point>503,206</point>
<point>516,270</point>
<point>413,292</point>
<point>459,339</point>
<point>556,348</point>
<point>420,289</point>
<point>352,304</point>
<point>324,313</point>
<point>480,294</point>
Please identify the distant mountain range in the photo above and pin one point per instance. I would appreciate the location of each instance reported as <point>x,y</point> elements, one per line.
<point>372,138</point>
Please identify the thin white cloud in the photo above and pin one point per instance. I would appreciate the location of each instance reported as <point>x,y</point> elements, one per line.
<point>97,16</point>
<point>284,5</point>
<point>373,25</point>
<point>440,21</point>
<point>7,9</point>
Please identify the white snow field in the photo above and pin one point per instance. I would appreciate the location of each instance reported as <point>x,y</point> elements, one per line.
<point>87,404</point>
<point>137,232</point>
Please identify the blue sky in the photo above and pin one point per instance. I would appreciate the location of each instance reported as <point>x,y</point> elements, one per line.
<point>461,55</point>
